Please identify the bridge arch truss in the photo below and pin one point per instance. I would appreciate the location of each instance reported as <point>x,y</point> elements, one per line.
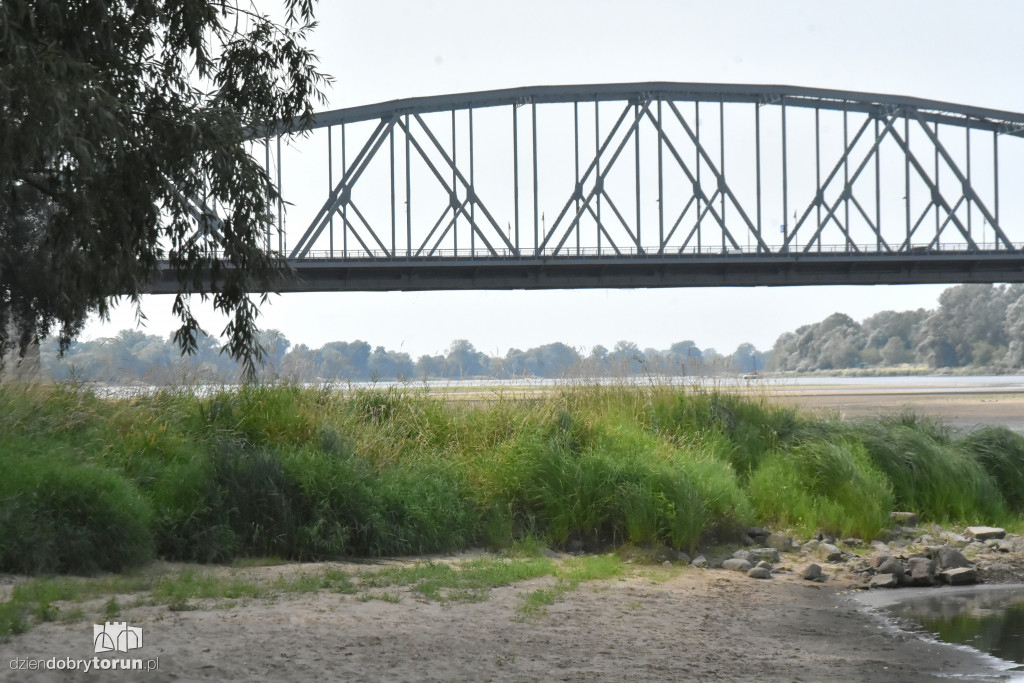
<point>650,184</point>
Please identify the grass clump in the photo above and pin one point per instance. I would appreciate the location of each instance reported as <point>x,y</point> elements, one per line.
<point>823,486</point>
<point>1000,452</point>
<point>929,473</point>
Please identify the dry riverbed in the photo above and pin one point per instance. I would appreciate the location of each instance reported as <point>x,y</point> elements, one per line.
<point>650,623</point>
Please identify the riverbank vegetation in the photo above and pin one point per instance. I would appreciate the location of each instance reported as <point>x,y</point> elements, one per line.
<point>97,484</point>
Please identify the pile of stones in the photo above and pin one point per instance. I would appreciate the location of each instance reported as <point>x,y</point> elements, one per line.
<point>906,556</point>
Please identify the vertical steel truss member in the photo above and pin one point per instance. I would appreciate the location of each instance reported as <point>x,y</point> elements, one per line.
<point>860,174</point>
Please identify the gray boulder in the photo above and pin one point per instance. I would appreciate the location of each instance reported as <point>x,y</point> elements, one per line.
<point>780,542</point>
<point>951,558</point>
<point>920,571</point>
<point>758,534</point>
<point>878,559</point>
<point>1011,544</point>
<point>812,572</point>
<point>737,564</point>
<point>830,552</point>
<point>985,533</point>
<point>891,565</point>
<point>766,554</point>
<point>700,562</point>
<point>959,576</point>
<point>759,572</point>
<point>884,581</point>
<point>743,555</point>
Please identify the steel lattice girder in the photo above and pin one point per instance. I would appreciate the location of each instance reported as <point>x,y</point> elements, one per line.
<point>657,173</point>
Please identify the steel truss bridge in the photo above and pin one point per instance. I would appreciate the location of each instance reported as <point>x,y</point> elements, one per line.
<point>648,185</point>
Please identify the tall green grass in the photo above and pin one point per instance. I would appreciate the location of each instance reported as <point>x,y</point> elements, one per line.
<point>92,484</point>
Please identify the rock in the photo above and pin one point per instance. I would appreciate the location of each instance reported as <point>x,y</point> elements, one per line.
<point>920,571</point>
<point>925,539</point>
<point>767,554</point>
<point>810,546</point>
<point>884,581</point>
<point>737,564</point>
<point>742,555</point>
<point>812,572</point>
<point>891,566</point>
<point>759,572</point>
<point>959,576</point>
<point>876,560</point>
<point>830,552</point>
<point>954,539</point>
<point>700,562</point>
<point>666,563</point>
<point>764,565</point>
<point>780,542</point>
<point>905,518</point>
<point>758,534</point>
<point>747,540</point>
<point>1011,544</point>
<point>951,558</point>
<point>682,557</point>
<point>985,533</point>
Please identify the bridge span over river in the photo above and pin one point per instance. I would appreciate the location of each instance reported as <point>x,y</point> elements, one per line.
<point>647,185</point>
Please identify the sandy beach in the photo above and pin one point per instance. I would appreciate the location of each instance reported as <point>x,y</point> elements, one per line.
<point>671,625</point>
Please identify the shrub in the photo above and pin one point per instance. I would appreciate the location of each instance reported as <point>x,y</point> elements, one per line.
<point>59,516</point>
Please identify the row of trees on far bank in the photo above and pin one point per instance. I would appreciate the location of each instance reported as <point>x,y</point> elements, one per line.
<point>975,325</point>
<point>133,356</point>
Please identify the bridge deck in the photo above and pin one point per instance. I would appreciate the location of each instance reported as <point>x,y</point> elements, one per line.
<point>642,270</point>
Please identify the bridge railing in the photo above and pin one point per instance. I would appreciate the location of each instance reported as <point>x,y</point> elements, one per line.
<point>633,252</point>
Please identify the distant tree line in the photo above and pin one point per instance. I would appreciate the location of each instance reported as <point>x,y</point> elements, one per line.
<point>134,357</point>
<point>975,326</point>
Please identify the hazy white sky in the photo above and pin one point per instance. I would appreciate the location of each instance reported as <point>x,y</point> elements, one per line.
<point>389,49</point>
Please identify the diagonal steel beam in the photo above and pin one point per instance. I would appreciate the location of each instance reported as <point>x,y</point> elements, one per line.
<point>579,186</point>
<point>820,190</point>
<point>468,187</point>
<point>965,183</point>
<point>369,229</point>
<point>598,188</point>
<point>341,192</point>
<point>723,185</point>
<point>457,207</point>
<point>848,185</point>
<point>937,197</point>
<point>675,225</point>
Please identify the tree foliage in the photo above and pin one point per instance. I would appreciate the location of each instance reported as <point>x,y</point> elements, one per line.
<point>121,123</point>
<point>975,325</point>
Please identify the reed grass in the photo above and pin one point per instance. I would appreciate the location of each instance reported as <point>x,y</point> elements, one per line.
<point>103,484</point>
